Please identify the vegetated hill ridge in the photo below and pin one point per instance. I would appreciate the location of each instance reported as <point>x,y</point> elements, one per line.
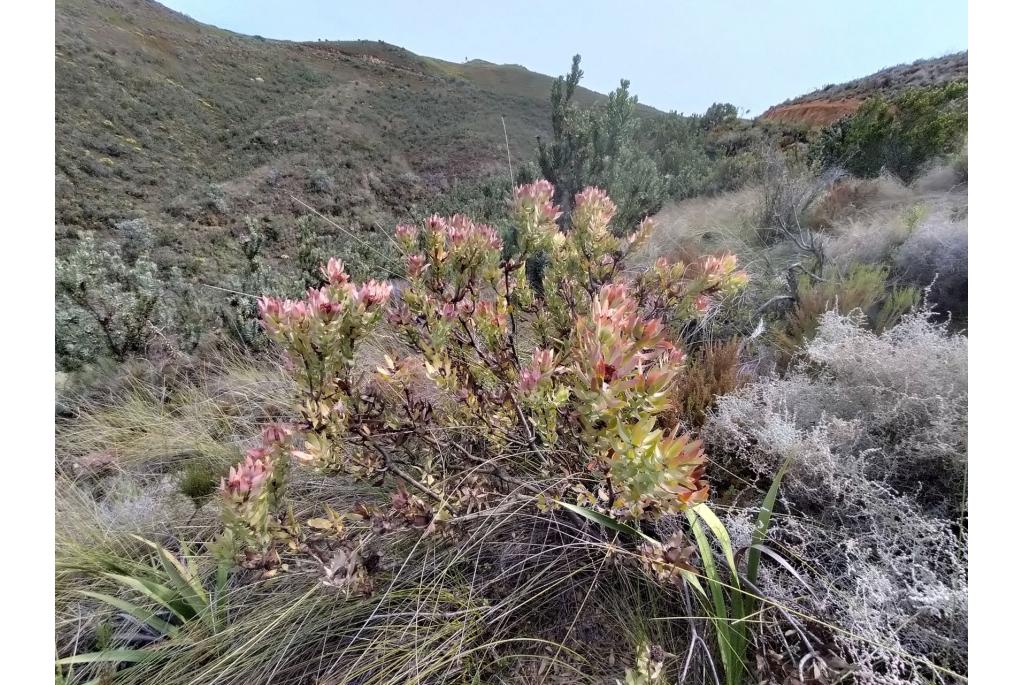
<point>832,102</point>
<point>193,128</point>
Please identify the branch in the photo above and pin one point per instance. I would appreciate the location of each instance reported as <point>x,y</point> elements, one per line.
<point>402,474</point>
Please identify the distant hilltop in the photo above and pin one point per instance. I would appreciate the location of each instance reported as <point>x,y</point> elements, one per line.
<point>834,101</point>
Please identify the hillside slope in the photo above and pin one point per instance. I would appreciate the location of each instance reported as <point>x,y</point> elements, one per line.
<point>831,103</point>
<point>193,128</point>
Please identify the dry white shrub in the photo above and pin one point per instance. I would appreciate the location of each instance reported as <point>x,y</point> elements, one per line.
<point>124,504</point>
<point>875,428</point>
<point>884,214</point>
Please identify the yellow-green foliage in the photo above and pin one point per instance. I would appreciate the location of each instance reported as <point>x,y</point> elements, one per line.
<point>900,301</point>
<point>862,287</point>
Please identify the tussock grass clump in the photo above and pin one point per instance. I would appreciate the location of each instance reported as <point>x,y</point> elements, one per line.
<point>703,225</point>
<point>149,426</point>
<point>523,596</point>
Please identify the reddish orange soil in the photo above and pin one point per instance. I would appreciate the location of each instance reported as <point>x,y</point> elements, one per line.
<point>814,113</point>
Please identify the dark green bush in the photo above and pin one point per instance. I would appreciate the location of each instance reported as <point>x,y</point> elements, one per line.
<point>197,482</point>
<point>239,315</point>
<point>600,147</point>
<point>114,302</point>
<point>899,134</point>
<point>105,305</point>
<point>701,154</point>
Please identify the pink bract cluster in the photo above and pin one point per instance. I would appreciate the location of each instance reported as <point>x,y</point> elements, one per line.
<point>594,209</point>
<point>535,200</point>
<point>541,366</point>
<point>336,299</point>
<point>447,249</point>
<point>246,479</point>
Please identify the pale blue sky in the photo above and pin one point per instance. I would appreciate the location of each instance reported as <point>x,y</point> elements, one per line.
<point>680,55</point>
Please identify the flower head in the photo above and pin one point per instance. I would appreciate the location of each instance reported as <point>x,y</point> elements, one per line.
<point>335,272</point>
<point>528,380</point>
<point>406,235</point>
<point>374,293</point>
<point>294,311</point>
<point>594,210</point>
<point>489,237</point>
<point>415,264</point>
<point>542,365</point>
<point>534,199</point>
<point>459,229</point>
<point>275,433</point>
<point>642,232</point>
<point>269,307</point>
<point>245,478</point>
<point>540,191</point>
<point>319,301</point>
<point>436,225</point>
<point>543,360</point>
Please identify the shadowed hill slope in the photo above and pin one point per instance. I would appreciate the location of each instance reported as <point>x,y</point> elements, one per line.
<point>192,128</point>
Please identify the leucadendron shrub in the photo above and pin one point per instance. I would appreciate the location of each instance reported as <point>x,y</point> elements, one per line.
<point>491,383</point>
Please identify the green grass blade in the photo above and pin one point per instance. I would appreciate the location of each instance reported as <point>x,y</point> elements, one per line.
<point>729,652</point>
<point>147,617</point>
<point>187,574</point>
<point>717,528</point>
<point>781,561</point>
<point>196,602</point>
<point>737,596</point>
<point>192,579</point>
<point>108,656</point>
<point>219,592</point>
<point>606,521</point>
<point>694,581</point>
<point>763,519</point>
<point>160,594</point>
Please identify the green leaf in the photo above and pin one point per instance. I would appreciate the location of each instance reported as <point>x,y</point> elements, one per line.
<point>694,582</point>
<point>192,579</point>
<point>189,586</point>
<point>147,617</point>
<point>738,598</point>
<point>160,594</point>
<point>219,593</point>
<point>711,572</point>
<point>190,562</point>
<point>763,519</point>
<point>606,521</point>
<point>320,523</point>
<point>781,561</point>
<point>732,643</point>
<point>716,526</point>
<point>196,601</point>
